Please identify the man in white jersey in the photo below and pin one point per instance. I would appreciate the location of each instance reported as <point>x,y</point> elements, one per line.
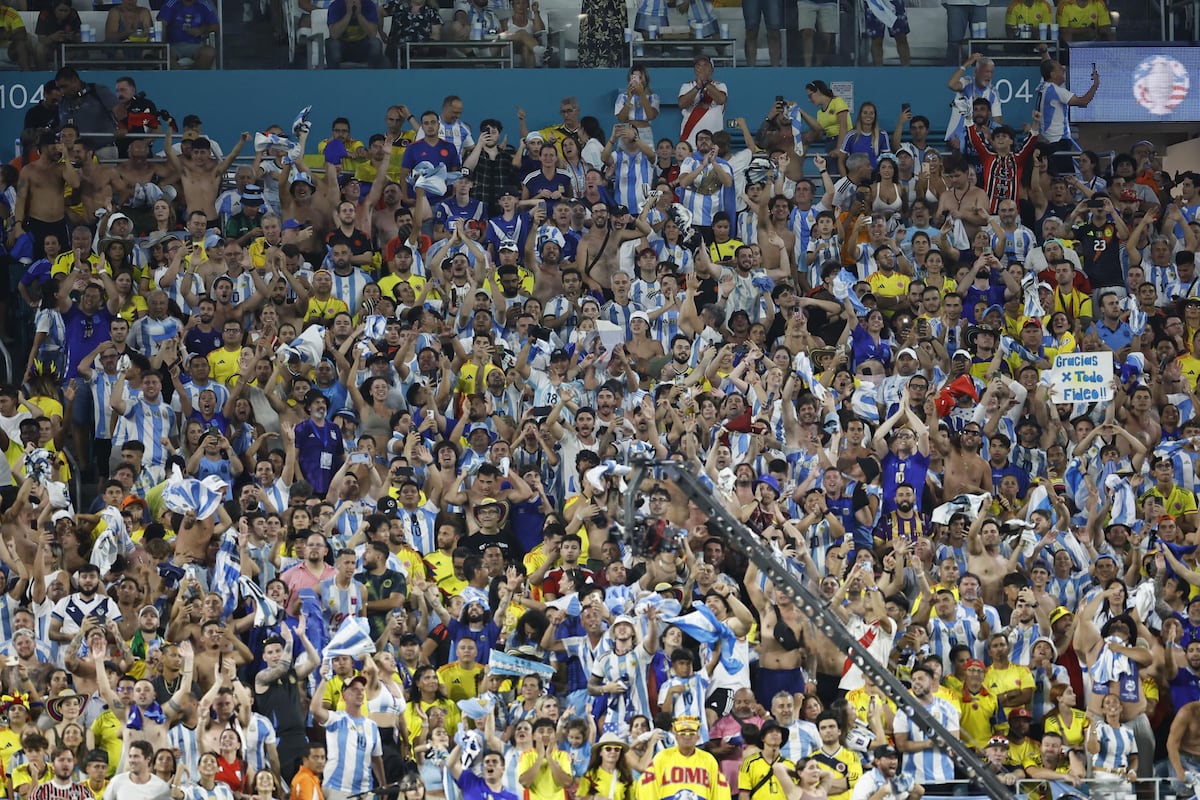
<point>619,676</point>
<point>1051,112</point>
<point>928,764</point>
<point>355,750</point>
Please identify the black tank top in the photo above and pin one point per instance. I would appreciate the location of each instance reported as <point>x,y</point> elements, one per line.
<point>281,704</point>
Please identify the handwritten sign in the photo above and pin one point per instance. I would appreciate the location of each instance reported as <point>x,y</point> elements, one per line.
<point>1081,378</point>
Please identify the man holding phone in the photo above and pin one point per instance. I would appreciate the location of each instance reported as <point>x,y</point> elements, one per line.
<point>1052,111</point>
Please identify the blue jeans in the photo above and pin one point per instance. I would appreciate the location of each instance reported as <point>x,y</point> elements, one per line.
<point>769,10</point>
<point>958,21</point>
<point>368,50</point>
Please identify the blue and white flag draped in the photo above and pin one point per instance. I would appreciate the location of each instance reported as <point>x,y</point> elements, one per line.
<point>375,326</point>
<point>969,504</point>
<point>266,612</point>
<point>865,402</point>
<point>703,626</point>
<point>309,346</point>
<point>1039,500</point>
<point>434,180</point>
<point>160,332</point>
<point>1033,305</point>
<point>1171,448</point>
<point>883,11</point>
<point>310,606</point>
<point>667,606</point>
<point>568,604</point>
<point>1124,504</point>
<point>501,663</point>
<point>188,494</point>
<point>843,289</point>
<point>38,463</point>
<point>271,141</point>
<point>353,638</point>
<point>803,366</point>
<point>1110,665</point>
<point>549,233</point>
<point>477,708</point>
<point>105,551</point>
<point>301,124</point>
<point>1009,345</point>
<point>227,570</point>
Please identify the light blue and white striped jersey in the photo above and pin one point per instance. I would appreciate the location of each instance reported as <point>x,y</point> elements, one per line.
<point>545,393</point>
<point>689,702</point>
<point>186,742</point>
<point>259,734</point>
<point>666,326</point>
<point>278,492</point>
<point>1020,641</point>
<point>1165,280</point>
<point>1068,591</point>
<point>100,387</point>
<point>619,315</point>
<point>458,134</point>
<point>825,250</point>
<point>175,290</point>
<point>801,222</point>
<point>864,260</point>
<point>350,744</point>
<point>747,226</point>
<point>803,740</point>
<point>945,635</point>
<point>194,791</point>
<point>1017,244</point>
<point>150,423</point>
<point>955,128</point>
<point>581,649</point>
<point>677,254</point>
<point>347,523</point>
<point>558,306</point>
<point>337,604</point>
<point>1117,745</point>
<point>644,293</point>
<point>194,389</point>
<point>652,10</point>
<point>637,110</point>
<point>419,525</point>
<point>50,322</point>
<point>243,287</point>
<point>933,765</point>
<point>630,668</point>
<point>1052,101</point>
<point>702,206</point>
<point>700,12</point>
<point>631,170</point>
<point>746,296</point>
<point>349,288</point>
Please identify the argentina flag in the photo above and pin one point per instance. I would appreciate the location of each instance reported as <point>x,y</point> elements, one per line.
<point>703,626</point>
<point>353,638</point>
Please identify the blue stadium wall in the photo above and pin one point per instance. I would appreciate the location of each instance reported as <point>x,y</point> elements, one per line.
<point>230,102</point>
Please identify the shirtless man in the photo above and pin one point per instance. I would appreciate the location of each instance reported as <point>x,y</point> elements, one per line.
<point>774,216</point>
<point>828,658</point>
<point>965,471</point>
<point>139,170</point>
<point>226,704</point>
<point>599,251</point>
<point>1183,745</point>
<point>200,174</point>
<point>99,184</point>
<point>985,560</point>
<point>144,697</point>
<point>41,194</point>
<point>962,199</point>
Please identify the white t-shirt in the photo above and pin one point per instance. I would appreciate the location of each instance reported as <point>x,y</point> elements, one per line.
<point>713,119</point>
<point>123,788</point>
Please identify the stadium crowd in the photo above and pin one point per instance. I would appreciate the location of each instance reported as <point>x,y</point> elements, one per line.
<point>360,429</point>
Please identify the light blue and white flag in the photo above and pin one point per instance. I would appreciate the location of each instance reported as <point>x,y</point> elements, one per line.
<point>374,326</point>
<point>883,11</point>
<point>309,346</point>
<point>434,180</point>
<point>843,289</point>
<point>501,663</point>
<point>266,612</point>
<point>188,494</point>
<point>301,124</point>
<point>1124,503</point>
<point>353,638</point>
<point>703,626</point>
<point>227,570</point>
<point>568,604</point>
<point>804,368</point>
<point>865,402</point>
